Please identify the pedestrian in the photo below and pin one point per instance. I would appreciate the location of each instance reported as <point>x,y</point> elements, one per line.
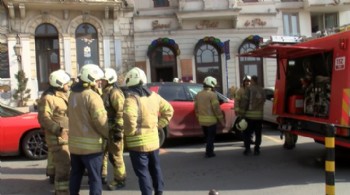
<point>144,113</point>
<point>208,113</point>
<point>113,100</point>
<point>52,115</point>
<point>88,130</point>
<point>253,107</point>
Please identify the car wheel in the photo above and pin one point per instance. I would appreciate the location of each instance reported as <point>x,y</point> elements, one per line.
<point>289,140</point>
<point>161,134</point>
<point>34,146</point>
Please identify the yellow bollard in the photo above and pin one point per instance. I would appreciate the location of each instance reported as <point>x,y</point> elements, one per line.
<point>330,160</point>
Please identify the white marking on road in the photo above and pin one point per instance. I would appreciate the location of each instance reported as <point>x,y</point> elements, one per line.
<point>273,139</point>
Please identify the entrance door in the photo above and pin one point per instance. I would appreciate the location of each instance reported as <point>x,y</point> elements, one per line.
<point>164,74</point>
<point>163,64</point>
<point>47,53</point>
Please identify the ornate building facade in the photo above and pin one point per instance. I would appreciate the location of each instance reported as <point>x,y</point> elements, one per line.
<point>187,39</point>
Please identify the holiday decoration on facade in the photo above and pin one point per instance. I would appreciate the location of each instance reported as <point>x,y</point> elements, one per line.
<point>256,39</point>
<point>213,41</point>
<point>163,42</point>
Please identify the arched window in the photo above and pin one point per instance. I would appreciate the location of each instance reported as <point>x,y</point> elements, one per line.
<point>163,64</point>
<point>47,53</point>
<point>87,45</point>
<point>208,63</point>
<point>250,65</point>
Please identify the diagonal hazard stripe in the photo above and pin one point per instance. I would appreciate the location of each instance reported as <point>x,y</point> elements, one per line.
<point>345,107</point>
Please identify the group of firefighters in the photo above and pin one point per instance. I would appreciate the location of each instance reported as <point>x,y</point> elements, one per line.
<point>96,116</point>
<point>87,123</point>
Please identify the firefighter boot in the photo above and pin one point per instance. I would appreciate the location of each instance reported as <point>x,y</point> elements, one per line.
<point>115,185</point>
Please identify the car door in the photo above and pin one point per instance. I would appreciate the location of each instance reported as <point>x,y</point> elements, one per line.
<point>181,125</point>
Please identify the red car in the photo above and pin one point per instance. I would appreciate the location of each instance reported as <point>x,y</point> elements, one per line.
<point>184,122</point>
<point>20,133</point>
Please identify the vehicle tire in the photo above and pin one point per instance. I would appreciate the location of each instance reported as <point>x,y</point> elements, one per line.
<point>162,136</point>
<point>34,146</point>
<point>289,140</point>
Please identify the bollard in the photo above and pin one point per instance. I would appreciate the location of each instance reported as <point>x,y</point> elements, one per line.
<point>330,160</point>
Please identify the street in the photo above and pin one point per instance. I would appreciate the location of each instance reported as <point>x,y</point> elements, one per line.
<point>276,171</point>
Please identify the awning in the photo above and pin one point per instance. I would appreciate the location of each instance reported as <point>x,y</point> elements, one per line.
<point>284,51</point>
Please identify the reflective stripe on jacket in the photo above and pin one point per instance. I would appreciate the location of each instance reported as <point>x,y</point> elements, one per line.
<point>88,122</point>
<point>207,108</point>
<point>142,118</point>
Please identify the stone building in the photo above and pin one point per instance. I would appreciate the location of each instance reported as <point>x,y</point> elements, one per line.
<point>187,39</point>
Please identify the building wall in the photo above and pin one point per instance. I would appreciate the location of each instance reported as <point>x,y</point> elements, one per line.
<point>114,27</point>
<point>126,31</point>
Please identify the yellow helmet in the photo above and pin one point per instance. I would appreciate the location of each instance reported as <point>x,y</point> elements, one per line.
<point>210,81</point>
<point>90,73</point>
<point>135,76</point>
<point>110,75</point>
<point>59,78</point>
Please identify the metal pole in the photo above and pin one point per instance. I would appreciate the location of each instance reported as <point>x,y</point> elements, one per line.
<point>330,160</point>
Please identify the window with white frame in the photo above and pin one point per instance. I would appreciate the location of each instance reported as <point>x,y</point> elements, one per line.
<point>291,24</point>
<point>321,22</point>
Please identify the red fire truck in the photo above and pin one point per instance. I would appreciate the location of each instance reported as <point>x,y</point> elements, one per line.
<point>312,88</point>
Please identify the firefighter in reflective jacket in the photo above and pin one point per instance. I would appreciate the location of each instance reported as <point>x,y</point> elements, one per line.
<point>53,118</point>
<point>144,113</point>
<point>88,130</point>
<point>208,112</point>
<point>240,95</point>
<point>113,99</point>
<point>253,108</point>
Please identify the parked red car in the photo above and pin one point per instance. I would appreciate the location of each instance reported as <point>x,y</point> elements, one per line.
<point>184,122</point>
<point>20,133</point>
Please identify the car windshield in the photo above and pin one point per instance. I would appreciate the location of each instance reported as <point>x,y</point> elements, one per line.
<point>8,112</point>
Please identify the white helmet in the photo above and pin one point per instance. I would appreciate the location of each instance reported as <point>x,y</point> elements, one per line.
<point>247,78</point>
<point>90,73</point>
<point>110,75</point>
<point>135,76</point>
<point>176,80</point>
<point>59,78</point>
<point>210,81</point>
<point>242,124</point>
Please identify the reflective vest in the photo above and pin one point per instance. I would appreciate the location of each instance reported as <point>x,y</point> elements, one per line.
<point>207,108</point>
<point>142,118</point>
<point>256,98</point>
<point>87,122</point>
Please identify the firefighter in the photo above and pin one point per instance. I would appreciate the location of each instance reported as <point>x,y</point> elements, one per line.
<point>144,112</point>
<point>113,99</point>
<point>53,118</point>
<point>208,113</point>
<point>88,130</point>
<point>253,107</point>
<point>239,95</point>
